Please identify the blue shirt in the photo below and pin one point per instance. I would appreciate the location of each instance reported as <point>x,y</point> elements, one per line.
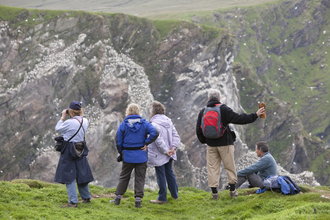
<point>265,166</point>
<point>69,127</point>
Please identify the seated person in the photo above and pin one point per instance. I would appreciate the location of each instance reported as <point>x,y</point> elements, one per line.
<point>257,172</point>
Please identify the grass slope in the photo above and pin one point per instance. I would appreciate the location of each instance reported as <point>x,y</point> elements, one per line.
<point>31,199</point>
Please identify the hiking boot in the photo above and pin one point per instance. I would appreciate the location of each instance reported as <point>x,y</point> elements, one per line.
<point>233,194</point>
<point>69,205</point>
<point>215,196</point>
<point>86,200</point>
<point>116,201</point>
<point>157,201</point>
<point>138,204</point>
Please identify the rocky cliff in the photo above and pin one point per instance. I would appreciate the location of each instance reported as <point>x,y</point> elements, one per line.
<point>106,61</point>
<point>282,58</point>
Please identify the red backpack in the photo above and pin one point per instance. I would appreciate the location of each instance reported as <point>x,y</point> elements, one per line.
<point>211,125</point>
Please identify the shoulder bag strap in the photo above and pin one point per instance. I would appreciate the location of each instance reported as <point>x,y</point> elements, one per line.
<point>82,121</point>
<point>78,130</point>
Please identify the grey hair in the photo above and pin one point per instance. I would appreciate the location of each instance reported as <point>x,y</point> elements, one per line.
<point>132,109</point>
<point>214,94</point>
<point>263,146</point>
<point>157,108</point>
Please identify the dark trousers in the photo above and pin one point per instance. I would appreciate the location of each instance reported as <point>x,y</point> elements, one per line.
<point>253,179</point>
<point>140,170</point>
<point>165,174</point>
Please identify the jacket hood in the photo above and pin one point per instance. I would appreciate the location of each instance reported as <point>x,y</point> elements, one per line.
<point>161,120</point>
<point>133,122</point>
<point>212,102</point>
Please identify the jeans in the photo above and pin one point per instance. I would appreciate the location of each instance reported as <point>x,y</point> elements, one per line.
<point>72,191</point>
<point>254,180</point>
<point>165,174</point>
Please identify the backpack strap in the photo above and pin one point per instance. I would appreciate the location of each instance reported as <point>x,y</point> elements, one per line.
<point>294,184</point>
<point>290,186</point>
<point>223,124</point>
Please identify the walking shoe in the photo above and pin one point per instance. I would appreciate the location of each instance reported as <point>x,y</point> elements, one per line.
<point>86,200</point>
<point>116,201</point>
<point>233,194</point>
<point>138,204</point>
<point>69,205</point>
<point>157,201</point>
<point>215,196</point>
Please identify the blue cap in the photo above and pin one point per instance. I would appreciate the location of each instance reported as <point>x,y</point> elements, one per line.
<point>75,105</point>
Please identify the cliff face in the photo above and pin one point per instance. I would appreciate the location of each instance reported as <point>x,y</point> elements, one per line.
<point>105,62</point>
<point>48,59</point>
<point>282,60</point>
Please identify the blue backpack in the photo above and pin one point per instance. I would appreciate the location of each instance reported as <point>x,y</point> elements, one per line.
<point>281,184</point>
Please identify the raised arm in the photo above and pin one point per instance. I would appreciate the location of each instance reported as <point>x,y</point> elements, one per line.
<point>232,117</point>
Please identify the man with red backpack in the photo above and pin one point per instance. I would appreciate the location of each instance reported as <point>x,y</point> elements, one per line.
<point>213,129</point>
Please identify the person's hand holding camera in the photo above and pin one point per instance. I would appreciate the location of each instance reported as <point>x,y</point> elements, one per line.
<point>65,113</point>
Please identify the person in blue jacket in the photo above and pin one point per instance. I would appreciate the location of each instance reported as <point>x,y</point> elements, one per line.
<point>73,165</point>
<point>133,136</point>
<point>257,172</point>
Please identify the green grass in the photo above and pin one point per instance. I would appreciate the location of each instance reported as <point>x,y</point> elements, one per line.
<point>20,17</point>
<point>31,199</point>
<point>164,27</point>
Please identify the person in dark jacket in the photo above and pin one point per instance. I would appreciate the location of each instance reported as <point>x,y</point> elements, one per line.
<point>133,136</point>
<point>222,148</point>
<point>73,165</point>
<point>257,172</point>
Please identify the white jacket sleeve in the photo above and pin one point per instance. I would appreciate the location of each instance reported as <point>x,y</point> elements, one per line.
<point>159,142</point>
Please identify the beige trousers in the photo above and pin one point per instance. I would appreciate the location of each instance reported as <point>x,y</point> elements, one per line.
<point>214,157</point>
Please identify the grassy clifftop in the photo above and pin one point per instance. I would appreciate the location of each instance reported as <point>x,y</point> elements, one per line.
<point>31,199</point>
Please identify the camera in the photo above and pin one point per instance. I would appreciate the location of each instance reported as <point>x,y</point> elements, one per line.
<point>67,112</point>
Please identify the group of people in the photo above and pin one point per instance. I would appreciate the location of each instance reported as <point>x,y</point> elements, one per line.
<point>141,144</point>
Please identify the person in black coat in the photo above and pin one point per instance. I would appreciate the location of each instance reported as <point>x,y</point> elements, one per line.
<point>222,148</point>
<point>73,165</point>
